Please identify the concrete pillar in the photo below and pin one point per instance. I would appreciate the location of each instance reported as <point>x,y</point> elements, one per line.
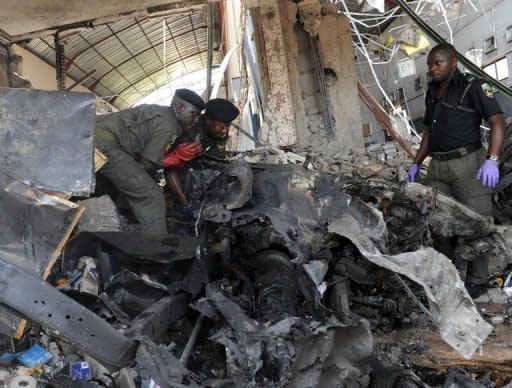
<point>336,50</point>
<point>279,127</point>
<point>4,68</point>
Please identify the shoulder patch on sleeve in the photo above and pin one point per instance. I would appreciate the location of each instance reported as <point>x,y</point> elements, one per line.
<point>488,90</point>
<point>169,145</point>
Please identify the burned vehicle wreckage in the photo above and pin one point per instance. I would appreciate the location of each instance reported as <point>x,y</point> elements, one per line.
<point>282,278</point>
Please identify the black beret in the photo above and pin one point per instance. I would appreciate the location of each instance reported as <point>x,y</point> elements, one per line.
<point>220,109</point>
<point>191,97</point>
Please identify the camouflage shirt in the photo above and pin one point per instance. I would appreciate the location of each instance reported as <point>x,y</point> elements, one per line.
<point>144,130</point>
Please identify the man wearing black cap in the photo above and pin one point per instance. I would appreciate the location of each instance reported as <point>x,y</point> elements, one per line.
<point>210,139</point>
<point>134,141</point>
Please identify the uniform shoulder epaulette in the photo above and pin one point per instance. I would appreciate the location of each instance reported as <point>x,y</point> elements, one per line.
<point>468,77</point>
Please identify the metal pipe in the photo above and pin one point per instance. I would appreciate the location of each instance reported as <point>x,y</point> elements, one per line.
<point>329,125</point>
<point>59,63</point>
<point>211,20</point>
<point>191,340</point>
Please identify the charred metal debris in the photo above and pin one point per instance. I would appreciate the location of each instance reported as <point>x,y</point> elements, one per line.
<point>286,275</point>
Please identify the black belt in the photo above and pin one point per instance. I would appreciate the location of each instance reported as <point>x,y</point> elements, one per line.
<point>456,153</point>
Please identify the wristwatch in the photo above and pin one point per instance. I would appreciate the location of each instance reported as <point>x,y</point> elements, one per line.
<point>492,157</point>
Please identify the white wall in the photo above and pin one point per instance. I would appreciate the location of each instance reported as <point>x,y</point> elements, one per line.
<point>43,76</point>
<point>39,73</point>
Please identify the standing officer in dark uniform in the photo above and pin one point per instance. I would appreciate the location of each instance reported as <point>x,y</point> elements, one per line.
<point>456,103</point>
<point>134,141</point>
<point>210,137</point>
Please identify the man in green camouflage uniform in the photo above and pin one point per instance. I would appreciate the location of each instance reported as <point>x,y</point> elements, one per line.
<point>134,141</point>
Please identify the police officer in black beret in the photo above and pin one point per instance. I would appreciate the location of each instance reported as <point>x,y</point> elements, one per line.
<point>208,138</point>
<point>214,126</point>
<point>134,141</point>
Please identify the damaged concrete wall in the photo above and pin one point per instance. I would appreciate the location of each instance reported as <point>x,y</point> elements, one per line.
<point>11,69</point>
<point>40,74</point>
<point>336,48</point>
<point>4,77</point>
<point>291,92</point>
<point>278,127</point>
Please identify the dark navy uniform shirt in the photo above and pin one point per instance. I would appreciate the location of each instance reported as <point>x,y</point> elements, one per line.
<point>451,124</point>
<point>214,148</point>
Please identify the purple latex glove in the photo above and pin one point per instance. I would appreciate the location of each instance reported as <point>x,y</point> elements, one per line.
<point>413,172</point>
<point>489,174</point>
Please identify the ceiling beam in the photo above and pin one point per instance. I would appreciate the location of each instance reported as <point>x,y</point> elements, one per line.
<point>171,8</point>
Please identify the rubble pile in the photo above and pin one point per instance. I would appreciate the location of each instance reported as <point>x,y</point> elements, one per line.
<point>287,273</point>
<point>284,287</point>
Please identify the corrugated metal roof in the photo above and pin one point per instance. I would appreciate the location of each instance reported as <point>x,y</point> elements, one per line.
<point>129,57</point>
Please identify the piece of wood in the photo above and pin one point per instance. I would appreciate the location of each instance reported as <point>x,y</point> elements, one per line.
<point>496,352</point>
<point>99,159</point>
<point>382,117</point>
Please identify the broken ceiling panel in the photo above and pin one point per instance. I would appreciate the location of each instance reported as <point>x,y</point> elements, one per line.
<point>20,17</point>
<point>131,58</point>
<point>46,139</point>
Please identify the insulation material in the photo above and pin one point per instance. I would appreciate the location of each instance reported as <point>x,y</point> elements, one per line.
<point>46,139</point>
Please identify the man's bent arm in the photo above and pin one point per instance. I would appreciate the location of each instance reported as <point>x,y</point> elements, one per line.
<point>148,165</point>
<point>173,181</point>
<point>497,135</point>
<point>423,150</point>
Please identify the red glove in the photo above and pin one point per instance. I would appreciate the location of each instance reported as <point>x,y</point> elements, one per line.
<point>185,152</point>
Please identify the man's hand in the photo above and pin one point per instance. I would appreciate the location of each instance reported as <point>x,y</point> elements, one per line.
<point>184,152</point>
<point>489,174</point>
<point>413,172</point>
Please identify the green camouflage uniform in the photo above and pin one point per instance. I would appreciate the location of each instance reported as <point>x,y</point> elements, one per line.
<point>144,130</point>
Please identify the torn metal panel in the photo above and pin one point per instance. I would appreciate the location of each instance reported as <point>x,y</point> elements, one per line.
<point>101,215</point>
<point>244,349</point>
<point>46,139</point>
<point>284,195</point>
<point>492,246</point>
<point>231,194</point>
<point>316,269</point>
<point>133,293</point>
<point>448,217</point>
<point>156,319</point>
<point>459,322</point>
<point>334,353</point>
<point>158,363</point>
<point>47,306</point>
<point>302,352</point>
<point>32,224</point>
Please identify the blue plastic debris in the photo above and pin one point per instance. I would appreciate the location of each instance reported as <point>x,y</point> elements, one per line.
<point>35,355</point>
<point>8,357</point>
<point>80,370</point>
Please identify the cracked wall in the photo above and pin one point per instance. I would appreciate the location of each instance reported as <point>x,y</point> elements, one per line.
<point>294,110</point>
